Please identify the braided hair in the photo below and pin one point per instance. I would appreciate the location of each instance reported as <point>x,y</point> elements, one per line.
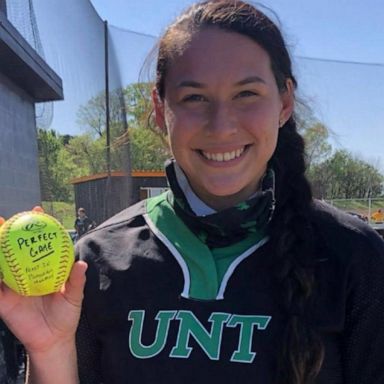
<point>290,231</point>
<point>292,237</point>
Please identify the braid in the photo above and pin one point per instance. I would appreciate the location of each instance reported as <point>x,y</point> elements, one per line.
<point>292,238</point>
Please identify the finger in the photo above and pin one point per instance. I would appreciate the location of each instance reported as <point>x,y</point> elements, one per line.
<point>74,286</point>
<point>8,299</point>
<point>5,291</point>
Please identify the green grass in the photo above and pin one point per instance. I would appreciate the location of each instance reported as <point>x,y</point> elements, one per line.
<point>64,212</point>
<point>360,206</point>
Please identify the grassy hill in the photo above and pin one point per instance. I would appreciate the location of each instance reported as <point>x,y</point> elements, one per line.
<point>360,206</point>
<point>62,211</point>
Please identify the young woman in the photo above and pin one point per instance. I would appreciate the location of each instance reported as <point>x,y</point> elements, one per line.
<point>236,274</point>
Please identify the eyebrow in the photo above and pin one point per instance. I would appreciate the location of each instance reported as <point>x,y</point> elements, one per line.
<point>196,84</point>
<point>251,79</point>
<point>190,83</point>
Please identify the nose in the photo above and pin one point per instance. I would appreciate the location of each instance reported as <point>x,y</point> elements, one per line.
<point>221,121</point>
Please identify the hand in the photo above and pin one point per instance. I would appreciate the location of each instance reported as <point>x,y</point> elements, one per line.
<point>43,322</point>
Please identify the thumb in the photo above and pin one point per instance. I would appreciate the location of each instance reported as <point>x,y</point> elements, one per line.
<point>74,286</point>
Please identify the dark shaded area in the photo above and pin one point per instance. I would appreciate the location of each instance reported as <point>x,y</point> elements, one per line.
<point>12,357</point>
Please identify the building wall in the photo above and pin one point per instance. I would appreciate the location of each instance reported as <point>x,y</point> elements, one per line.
<point>102,201</point>
<point>19,173</point>
<point>99,200</point>
<point>3,6</point>
<point>138,183</point>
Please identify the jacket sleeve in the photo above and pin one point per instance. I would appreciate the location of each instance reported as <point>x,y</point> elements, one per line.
<point>363,336</point>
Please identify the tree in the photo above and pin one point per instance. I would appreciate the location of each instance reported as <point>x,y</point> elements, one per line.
<point>92,115</point>
<point>345,176</point>
<point>316,143</point>
<point>147,149</point>
<point>137,98</point>
<point>315,134</point>
<point>86,154</point>
<point>130,107</point>
<point>52,186</point>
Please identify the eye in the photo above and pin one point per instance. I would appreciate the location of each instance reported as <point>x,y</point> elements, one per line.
<point>194,98</point>
<point>246,94</point>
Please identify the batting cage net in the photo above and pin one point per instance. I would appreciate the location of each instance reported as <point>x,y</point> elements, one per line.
<point>106,139</point>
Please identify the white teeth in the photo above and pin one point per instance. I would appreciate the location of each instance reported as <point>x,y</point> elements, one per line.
<point>218,157</point>
<point>225,156</point>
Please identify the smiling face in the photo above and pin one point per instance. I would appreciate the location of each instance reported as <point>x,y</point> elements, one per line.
<point>222,110</point>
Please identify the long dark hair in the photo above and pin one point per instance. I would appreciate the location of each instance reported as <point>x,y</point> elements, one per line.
<point>290,231</point>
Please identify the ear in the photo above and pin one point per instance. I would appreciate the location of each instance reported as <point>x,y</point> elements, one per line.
<point>288,102</point>
<point>159,109</point>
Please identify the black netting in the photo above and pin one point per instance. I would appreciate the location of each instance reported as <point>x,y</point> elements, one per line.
<point>344,96</point>
<point>22,15</point>
<point>72,41</point>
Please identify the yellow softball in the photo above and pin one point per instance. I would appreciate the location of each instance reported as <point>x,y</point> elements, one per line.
<point>36,253</point>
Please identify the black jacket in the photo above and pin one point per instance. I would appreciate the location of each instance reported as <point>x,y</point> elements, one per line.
<point>140,325</point>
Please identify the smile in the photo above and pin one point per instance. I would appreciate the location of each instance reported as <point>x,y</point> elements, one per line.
<point>223,156</point>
